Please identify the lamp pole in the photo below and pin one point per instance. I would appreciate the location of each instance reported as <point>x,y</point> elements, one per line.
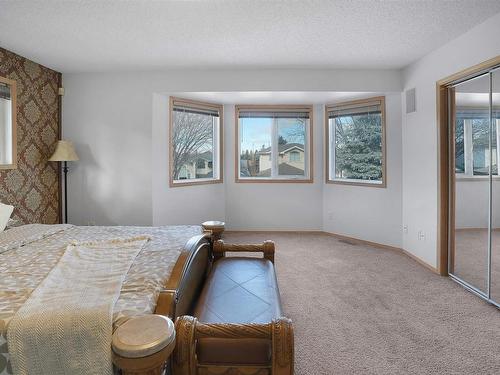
<point>65,170</point>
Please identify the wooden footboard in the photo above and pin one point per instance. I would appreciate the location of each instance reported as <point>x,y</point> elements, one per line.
<point>189,330</point>
<point>176,298</point>
<point>187,277</point>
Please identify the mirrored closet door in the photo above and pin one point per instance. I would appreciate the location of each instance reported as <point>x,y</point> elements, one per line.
<point>474,243</point>
<point>495,190</point>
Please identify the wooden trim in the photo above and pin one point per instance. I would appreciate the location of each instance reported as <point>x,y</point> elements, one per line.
<point>446,180</point>
<point>195,104</point>
<point>379,100</point>
<point>353,240</point>
<point>357,241</point>
<point>13,90</point>
<point>470,72</point>
<point>275,108</point>
<point>59,136</point>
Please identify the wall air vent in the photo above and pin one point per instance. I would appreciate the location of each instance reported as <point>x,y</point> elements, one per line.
<point>411,101</point>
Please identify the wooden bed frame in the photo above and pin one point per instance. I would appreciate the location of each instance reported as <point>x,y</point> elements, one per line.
<point>180,294</point>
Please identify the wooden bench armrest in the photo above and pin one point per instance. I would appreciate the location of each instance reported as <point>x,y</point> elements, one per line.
<point>267,248</point>
<point>189,330</point>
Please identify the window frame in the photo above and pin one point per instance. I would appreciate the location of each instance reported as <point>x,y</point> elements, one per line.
<point>220,141</point>
<point>308,152</point>
<point>329,142</point>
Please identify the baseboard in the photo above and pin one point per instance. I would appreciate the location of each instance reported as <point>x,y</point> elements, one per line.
<point>386,247</point>
<point>309,231</point>
<point>359,241</point>
<point>353,240</point>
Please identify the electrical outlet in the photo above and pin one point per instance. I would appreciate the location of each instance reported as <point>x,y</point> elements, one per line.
<point>421,235</point>
<point>91,223</point>
<point>405,229</point>
<point>330,215</point>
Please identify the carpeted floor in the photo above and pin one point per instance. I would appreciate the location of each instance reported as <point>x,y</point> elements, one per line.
<point>363,310</point>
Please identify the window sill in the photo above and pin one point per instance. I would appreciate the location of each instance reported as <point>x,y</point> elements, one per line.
<point>358,183</point>
<point>200,181</point>
<point>256,180</point>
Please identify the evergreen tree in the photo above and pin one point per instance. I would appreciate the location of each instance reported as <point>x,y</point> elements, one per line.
<point>359,147</point>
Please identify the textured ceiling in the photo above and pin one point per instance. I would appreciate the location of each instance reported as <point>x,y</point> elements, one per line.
<point>81,36</point>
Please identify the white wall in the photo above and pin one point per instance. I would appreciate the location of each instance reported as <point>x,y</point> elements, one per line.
<point>109,119</point>
<point>420,143</point>
<point>119,124</point>
<point>370,213</point>
<point>273,206</point>
<point>178,205</point>
<point>244,206</point>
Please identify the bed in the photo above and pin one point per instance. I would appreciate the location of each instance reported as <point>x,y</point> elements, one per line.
<point>164,278</point>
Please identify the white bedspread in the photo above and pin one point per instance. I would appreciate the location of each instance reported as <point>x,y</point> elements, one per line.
<point>34,250</point>
<point>70,313</point>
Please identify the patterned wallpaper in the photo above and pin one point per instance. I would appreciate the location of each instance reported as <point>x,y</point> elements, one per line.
<point>33,188</point>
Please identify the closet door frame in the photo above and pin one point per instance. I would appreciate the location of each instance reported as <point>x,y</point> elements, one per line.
<point>446,170</point>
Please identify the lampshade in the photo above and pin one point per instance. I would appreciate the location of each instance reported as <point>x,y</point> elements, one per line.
<point>64,152</point>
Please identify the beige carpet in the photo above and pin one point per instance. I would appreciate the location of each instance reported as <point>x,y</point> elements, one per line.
<point>363,310</point>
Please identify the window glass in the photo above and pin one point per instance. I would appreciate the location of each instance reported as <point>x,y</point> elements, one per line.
<point>273,144</point>
<point>255,146</point>
<point>195,143</point>
<point>291,145</point>
<point>356,144</point>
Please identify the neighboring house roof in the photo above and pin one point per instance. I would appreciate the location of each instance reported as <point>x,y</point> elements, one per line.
<point>283,169</point>
<point>283,148</point>
<point>207,155</point>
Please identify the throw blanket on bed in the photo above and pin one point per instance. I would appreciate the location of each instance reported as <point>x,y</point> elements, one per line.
<point>65,327</point>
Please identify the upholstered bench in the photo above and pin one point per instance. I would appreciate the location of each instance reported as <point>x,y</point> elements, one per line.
<point>238,324</point>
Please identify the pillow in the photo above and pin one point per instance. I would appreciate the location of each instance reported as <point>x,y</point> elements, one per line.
<point>5,212</point>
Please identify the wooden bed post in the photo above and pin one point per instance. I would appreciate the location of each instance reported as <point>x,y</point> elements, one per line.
<point>142,345</point>
<point>214,228</point>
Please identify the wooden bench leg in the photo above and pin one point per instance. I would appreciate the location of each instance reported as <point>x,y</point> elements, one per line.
<point>184,358</point>
<point>283,347</point>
